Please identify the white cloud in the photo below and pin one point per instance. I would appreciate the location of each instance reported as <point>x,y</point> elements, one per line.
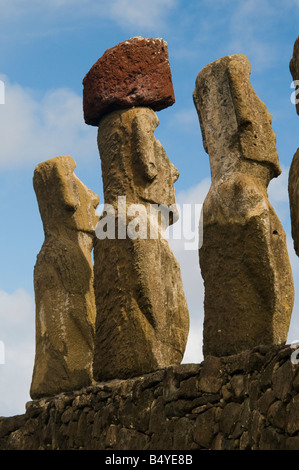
<point>145,14</point>
<point>246,30</point>
<point>193,353</point>
<point>195,194</point>
<point>17,335</point>
<point>34,129</point>
<point>252,24</point>
<point>185,119</point>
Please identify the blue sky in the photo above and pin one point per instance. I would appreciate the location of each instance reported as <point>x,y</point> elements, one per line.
<point>46,48</point>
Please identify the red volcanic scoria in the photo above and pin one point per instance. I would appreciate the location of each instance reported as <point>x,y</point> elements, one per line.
<point>135,72</point>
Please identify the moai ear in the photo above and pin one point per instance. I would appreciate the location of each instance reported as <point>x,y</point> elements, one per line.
<point>143,142</point>
<point>63,170</point>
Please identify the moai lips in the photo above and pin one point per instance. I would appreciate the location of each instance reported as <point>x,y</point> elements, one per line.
<point>63,280</point>
<point>135,72</point>
<point>249,290</point>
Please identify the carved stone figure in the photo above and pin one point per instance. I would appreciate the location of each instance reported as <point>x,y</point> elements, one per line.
<point>142,316</point>
<point>294,169</point>
<point>294,199</point>
<point>63,280</point>
<point>249,290</point>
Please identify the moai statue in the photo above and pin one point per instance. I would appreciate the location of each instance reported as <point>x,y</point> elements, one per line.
<point>142,316</point>
<point>63,280</point>
<point>294,199</point>
<point>294,169</point>
<point>248,282</point>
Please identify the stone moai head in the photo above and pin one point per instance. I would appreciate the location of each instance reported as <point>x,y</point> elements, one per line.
<point>65,203</point>
<point>235,123</point>
<point>134,162</point>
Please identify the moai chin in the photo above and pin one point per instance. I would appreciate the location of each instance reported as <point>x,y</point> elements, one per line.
<point>142,319</point>
<point>63,280</point>
<point>248,282</point>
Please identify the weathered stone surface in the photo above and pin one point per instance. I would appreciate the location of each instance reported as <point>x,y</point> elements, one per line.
<point>294,68</point>
<point>211,378</point>
<point>294,170</point>
<point>230,417</point>
<point>249,290</point>
<point>142,316</point>
<point>135,72</point>
<point>154,412</point>
<point>293,416</point>
<point>294,199</point>
<point>204,429</point>
<point>63,280</point>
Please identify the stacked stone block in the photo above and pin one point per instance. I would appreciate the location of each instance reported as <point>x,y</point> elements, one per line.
<point>247,401</point>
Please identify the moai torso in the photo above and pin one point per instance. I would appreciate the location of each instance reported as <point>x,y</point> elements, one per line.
<point>244,262</point>
<point>63,280</point>
<point>142,316</point>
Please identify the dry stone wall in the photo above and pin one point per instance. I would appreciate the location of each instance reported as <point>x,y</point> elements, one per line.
<point>247,401</point>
